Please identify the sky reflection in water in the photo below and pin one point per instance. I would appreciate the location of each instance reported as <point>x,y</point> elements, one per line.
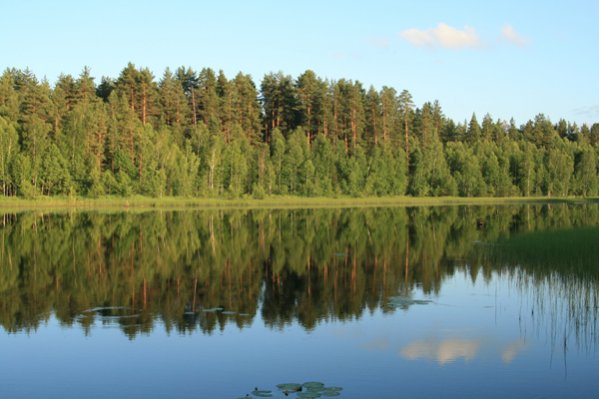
<point>86,313</point>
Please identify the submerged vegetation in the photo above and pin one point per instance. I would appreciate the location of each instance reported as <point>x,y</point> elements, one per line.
<point>190,270</point>
<point>561,265</point>
<point>205,135</point>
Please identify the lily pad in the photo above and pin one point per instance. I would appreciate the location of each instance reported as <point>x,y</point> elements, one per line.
<point>290,387</point>
<point>330,393</point>
<point>262,394</point>
<point>313,385</point>
<point>228,312</point>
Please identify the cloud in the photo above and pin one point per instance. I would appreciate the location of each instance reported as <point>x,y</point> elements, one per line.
<point>510,34</point>
<point>443,36</point>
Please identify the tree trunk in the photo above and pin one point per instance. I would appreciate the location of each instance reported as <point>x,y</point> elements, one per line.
<point>194,115</point>
<point>132,100</point>
<point>407,143</point>
<point>374,127</point>
<point>354,129</point>
<point>144,106</point>
<point>309,125</point>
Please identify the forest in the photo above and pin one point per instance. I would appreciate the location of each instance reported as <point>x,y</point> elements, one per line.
<point>201,134</point>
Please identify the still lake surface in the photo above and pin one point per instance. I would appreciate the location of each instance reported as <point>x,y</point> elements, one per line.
<point>425,302</point>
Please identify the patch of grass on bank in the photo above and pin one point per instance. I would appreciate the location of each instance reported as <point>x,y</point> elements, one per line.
<point>140,202</point>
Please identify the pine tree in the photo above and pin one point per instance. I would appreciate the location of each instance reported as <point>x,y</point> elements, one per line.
<point>208,101</point>
<point>189,82</point>
<point>246,109</point>
<point>373,120</point>
<point>406,107</point>
<point>308,93</point>
<point>390,107</point>
<point>172,100</point>
<point>127,85</point>
<point>474,133</point>
<point>9,98</point>
<point>85,87</point>
<point>147,95</point>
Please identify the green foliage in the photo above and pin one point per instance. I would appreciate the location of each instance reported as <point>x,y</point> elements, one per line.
<point>109,183</point>
<point>586,181</point>
<point>9,146</point>
<point>54,176</point>
<point>204,135</point>
<point>464,166</point>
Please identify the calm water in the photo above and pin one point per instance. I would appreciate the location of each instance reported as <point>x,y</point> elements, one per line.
<point>452,302</point>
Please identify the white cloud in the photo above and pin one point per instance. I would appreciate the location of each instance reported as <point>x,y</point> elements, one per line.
<point>510,34</point>
<point>444,36</point>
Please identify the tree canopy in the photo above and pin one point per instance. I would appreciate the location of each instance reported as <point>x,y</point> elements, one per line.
<point>192,133</point>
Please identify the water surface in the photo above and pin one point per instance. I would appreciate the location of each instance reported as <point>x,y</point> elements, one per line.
<point>453,302</point>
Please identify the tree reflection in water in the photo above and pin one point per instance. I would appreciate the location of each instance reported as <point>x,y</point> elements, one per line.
<point>206,269</point>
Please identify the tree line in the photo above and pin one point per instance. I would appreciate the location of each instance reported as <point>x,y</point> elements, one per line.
<point>202,134</point>
<point>302,266</point>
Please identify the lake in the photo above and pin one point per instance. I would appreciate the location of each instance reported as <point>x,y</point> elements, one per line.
<point>423,302</point>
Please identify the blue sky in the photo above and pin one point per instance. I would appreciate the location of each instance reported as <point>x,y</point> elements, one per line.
<point>508,58</point>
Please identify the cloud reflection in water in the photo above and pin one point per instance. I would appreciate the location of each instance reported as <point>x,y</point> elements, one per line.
<point>445,351</point>
<point>449,350</point>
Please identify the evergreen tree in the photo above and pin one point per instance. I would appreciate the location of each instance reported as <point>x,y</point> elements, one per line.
<point>172,100</point>
<point>373,112</point>
<point>406,107</point>
<point>246,109</point>
<point>309,102</point>
<point>189,82</point>
<point>279,102</point>
<point>9,98</point>
<point>474,133</point>
<point>390,113</point>
<point>206,135</point>
<point>208,101</point>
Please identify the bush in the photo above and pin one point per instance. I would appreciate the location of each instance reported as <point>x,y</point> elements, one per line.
<point>258,191</point>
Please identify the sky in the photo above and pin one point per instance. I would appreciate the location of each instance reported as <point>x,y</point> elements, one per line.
<point>511,59</point>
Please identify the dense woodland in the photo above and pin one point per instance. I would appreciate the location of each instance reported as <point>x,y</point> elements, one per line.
<point>284,266</point>
<point>202,134</point>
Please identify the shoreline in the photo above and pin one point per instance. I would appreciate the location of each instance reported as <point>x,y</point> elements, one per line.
<point>271,202</point>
